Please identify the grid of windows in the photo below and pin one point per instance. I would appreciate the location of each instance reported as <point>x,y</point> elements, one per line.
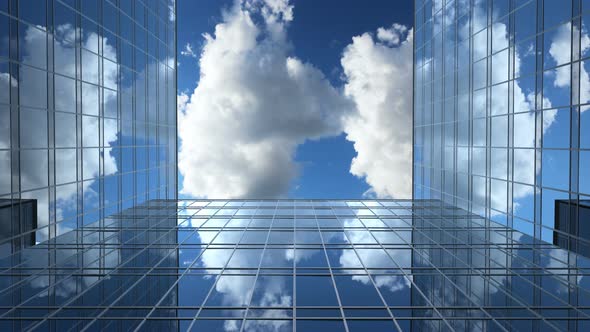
<point>371,265</point>
<point>87,111</point>
<point>501,126</point>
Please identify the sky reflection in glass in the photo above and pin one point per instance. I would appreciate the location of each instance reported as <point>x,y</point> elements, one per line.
<point>437,268</point>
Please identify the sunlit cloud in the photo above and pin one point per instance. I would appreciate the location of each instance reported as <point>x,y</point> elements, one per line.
<point>188,51</point>
<point>254,104</point>
<point>377,78</point>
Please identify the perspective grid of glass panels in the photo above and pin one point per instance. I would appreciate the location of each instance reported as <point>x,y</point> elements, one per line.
<point>87,112</point>
<point>286,265</point>
<point>501,126</point>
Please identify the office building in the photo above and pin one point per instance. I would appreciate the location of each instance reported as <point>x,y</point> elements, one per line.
<point>566,214</point>
<point>494,239</point>
<point>306,265</point>
<point>501,99</point>
<point>87,109</point>
<point>17,232</point>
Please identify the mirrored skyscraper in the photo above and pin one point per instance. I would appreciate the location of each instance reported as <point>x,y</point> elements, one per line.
<point>294,265</point>
<point>87,109</point>
<point>94,238</point>
<point>501,121</point>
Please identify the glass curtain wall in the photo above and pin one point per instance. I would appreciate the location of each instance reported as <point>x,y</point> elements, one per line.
<point>501,121</point>
<point>87,110</point>
<point>303,265</point>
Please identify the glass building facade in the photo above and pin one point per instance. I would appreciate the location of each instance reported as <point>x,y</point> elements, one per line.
<point>93,237</point>
<point>501,121</point>
<point>87,111</point>
<point>286,265</point>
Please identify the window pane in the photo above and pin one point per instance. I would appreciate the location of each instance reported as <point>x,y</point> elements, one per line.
<point>310,258</point>
<point>33,128</point>
<point>357,291</point>
<point>33,87</point>
<point>315,291</point>
<point>231,291</point>
<point>273,291</point>
<point>34,172</point>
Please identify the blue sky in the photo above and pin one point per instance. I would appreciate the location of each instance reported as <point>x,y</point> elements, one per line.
<point>318,34</point>
<point>310,99</point>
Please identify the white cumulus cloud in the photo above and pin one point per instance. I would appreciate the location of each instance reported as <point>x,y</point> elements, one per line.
<point>378,74</point>
<point>254,104</point>
<point>188,51</point>
<point>392,36</point>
